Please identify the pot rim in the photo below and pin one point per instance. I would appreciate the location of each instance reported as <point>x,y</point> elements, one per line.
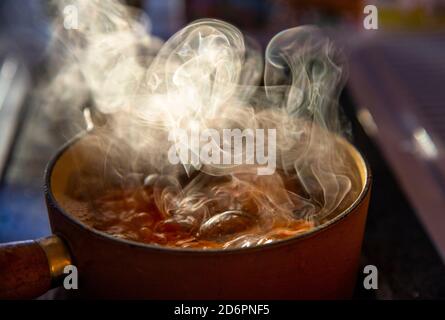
<point>54,203</point>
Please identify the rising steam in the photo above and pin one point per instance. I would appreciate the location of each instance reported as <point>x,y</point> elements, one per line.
<point>208,76</point>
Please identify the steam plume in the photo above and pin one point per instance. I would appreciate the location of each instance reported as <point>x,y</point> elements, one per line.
<point>208,76</point>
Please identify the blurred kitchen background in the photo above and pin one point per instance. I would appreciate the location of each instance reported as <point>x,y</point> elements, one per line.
<point>395,100</point>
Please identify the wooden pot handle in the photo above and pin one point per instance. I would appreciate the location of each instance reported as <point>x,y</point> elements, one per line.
<point>28,269</point>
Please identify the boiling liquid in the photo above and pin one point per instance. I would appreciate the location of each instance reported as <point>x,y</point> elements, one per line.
<point>221,214</point>
<point>212,212</point>
<point>133,215</point>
